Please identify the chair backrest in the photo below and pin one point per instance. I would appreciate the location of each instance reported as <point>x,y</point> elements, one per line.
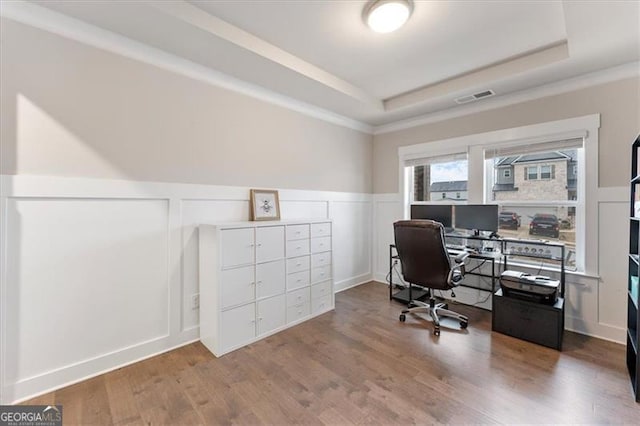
<point>423,255</point>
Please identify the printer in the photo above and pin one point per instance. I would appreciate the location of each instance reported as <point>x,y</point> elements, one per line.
<point>533,288</point>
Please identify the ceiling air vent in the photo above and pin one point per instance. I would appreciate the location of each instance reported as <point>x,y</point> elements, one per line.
<point>474,97</point>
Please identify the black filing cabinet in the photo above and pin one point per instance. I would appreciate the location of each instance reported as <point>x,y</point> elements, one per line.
<point>535,322</point>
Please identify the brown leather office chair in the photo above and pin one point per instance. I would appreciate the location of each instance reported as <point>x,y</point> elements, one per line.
<point>426,263</point>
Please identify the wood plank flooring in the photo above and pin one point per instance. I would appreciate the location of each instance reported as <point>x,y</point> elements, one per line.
<point>360,365</point>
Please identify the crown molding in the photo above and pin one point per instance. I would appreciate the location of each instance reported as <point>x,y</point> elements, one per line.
<point>75,29</point>
<point>620,72</point>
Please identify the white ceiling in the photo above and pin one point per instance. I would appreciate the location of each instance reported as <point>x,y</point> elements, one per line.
<point>321,53</point>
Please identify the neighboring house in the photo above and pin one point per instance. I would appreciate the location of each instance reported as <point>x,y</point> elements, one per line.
<point>544,176</point>
<point>454,190</point>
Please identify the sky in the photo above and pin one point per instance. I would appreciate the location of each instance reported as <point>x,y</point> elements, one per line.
<point>447,172</point>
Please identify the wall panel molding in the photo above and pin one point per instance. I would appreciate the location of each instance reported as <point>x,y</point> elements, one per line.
<point>141,217</point>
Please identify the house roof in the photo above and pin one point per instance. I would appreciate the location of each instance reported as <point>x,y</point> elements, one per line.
<point>570,155</point>
<point>456,185</point>
<point>504,187</point>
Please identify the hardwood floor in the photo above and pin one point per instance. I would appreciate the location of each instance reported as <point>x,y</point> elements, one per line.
<point>360,365</point>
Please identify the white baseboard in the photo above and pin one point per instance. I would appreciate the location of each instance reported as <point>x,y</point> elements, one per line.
<point>72,374</point>
<point>352,282</point>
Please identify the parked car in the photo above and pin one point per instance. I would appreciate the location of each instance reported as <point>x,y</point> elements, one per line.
<point>545,224</point>
<point>509,220</point>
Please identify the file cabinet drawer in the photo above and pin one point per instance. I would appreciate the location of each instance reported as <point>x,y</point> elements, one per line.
<point>298,296</point>
<point>297,248</point>
<point>319,245</point>
<point>298,264</point>
<point>322,273</point>
<point>321,289</point>
<point>321,259</point>
<point>321,304</point>
<point>297,280</point>
<point>297,312</point>
<point>320,229</point>
<point>297,232</point>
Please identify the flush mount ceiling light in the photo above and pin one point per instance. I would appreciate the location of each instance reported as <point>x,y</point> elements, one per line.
<point>384,16</point>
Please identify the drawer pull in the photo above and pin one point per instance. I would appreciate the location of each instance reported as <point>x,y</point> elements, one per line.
<point>299,297</point>
<point>298,280</point>
<point>298,264</point>
<point>259,282</point>
<point>259,244</point>
<point>252,283</point>
<point>297,232</point>
<point>321,260</point>
<point>321,273</point>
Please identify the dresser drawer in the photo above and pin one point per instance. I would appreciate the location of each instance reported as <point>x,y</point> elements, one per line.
<point>320,229</point>
<point>321,244</point>
<point>321,304</point>
<point>321,259</point>
<point>298,264</point>
<point>297,248</point>
<point>297,312</point>
<point>297,232</point>
<point>322,273</point>
<point>298,296</point>
<point>321,289</point>
<point>297,280</point>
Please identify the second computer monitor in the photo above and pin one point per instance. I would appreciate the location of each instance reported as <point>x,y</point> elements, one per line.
<point>477,217</point>
<point>438,212</point>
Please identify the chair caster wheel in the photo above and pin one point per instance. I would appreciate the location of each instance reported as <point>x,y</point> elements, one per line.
<point>403,317</point>
<point>463,324</point>
<point>436,331</point>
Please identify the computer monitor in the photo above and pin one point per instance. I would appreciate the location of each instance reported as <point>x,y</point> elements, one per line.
<point>439,212</point>
<point>477,217</point>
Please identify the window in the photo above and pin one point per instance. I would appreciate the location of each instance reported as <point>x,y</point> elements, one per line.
<point>545,206</point>
<point>547,172</point>
<point>531,173</point>
<point>432,179</point>
<point>506,173</point>
<point>563,195</point>
<point>458,195</point>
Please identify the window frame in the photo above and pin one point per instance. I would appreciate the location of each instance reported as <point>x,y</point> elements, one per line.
<point>585,127</point>
<point>506,173</point>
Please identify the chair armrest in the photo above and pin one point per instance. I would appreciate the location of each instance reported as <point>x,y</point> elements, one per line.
<point>461,257</point>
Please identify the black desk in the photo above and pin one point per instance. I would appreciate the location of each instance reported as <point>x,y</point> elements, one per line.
<point>495,258</point>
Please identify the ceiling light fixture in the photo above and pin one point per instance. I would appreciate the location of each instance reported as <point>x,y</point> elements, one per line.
<point>385,16</point>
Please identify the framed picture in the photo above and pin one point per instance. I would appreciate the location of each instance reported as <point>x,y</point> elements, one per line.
<point>265,205</point>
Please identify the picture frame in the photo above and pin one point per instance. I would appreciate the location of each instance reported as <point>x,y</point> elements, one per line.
<point>264,204</point>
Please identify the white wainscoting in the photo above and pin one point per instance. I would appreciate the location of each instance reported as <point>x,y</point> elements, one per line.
<point>97,274</point>
<point>595,306</point>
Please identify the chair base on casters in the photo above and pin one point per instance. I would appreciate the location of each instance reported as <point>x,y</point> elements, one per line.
<point>435,311</point>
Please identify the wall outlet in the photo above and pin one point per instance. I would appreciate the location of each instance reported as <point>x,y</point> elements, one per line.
<point>195,301</point>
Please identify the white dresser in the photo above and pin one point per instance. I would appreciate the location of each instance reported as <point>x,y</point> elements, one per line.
<point>258,278</point>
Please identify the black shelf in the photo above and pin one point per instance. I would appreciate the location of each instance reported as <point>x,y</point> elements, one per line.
<point>633,313</point>
<point>632,341</point>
